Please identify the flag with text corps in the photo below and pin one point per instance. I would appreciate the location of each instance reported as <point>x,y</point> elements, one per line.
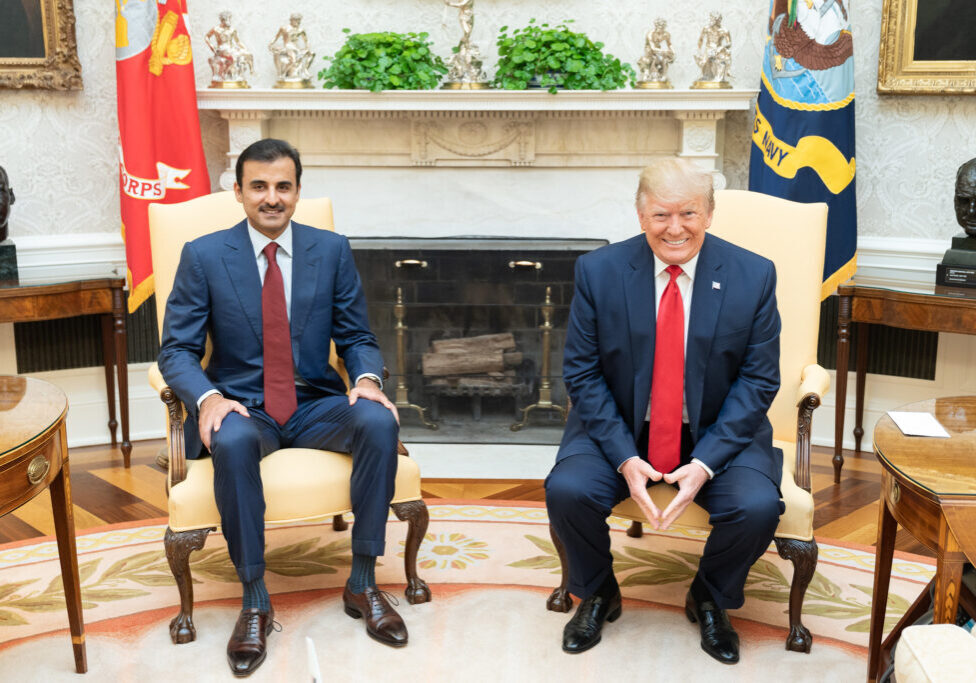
<point>160,151</point>
<point>803,131</point>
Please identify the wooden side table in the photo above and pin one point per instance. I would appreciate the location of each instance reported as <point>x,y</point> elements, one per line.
<point>33,457</point>
<point>928,486</point>
<point>105,296</point>
<point>932,308</point>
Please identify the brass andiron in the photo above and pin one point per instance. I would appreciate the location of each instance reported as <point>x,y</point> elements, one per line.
<point>399,311</point>
<point>545,387</point>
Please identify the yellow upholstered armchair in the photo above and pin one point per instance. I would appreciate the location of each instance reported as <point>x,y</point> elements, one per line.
<point>299,483</point>
<point>793,236</point>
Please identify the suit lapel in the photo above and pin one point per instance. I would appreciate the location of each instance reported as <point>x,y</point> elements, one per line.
<point>640,295</point>
<point>304,279</point>
<point>242,269</point>
<point>708,293</point>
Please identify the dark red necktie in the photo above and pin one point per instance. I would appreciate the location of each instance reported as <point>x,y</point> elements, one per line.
<point>667,385</point>
<point>279,371</point>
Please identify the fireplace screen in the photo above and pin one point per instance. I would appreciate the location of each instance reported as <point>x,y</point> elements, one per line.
<point>472,333</point>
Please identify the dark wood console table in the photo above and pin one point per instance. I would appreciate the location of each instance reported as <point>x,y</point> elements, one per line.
<point>105,296</point>
<point>925,307</point>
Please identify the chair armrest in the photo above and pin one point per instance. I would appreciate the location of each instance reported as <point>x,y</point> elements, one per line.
<point>175,412</point>
<point>813,380</point>
<point>156,380</point>
<point>814,383</point>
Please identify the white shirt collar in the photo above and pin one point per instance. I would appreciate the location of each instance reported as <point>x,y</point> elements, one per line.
<point>688,268</point>
<point>259,240</point>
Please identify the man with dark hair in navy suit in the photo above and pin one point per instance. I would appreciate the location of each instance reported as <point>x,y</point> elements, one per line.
<point>272,294</point>
<point>671,362</point>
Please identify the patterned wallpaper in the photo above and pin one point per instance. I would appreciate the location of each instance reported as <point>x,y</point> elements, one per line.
<point>60,149</point>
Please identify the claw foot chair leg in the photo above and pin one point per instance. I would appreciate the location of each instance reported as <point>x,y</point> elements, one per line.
<point>179,545</point>
<point>636,529</point>
<point>339,523</point>
<point>414,512</point>
<point>560,600</point>
<point>803,555</point>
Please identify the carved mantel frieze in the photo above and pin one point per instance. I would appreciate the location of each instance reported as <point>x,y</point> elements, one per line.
<point>473,138</point>
<point>483,129</point>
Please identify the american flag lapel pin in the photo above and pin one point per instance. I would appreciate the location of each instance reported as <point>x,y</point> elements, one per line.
<point>716,285</point>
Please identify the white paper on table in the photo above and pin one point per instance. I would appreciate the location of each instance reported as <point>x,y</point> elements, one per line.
<point>918,424</point>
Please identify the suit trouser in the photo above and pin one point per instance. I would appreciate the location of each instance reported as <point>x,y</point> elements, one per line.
<point>367,430</point>
<point>743,505</point>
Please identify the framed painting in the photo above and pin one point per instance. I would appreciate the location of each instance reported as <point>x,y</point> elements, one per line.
<point>927,47</point>
<point>37,45</point>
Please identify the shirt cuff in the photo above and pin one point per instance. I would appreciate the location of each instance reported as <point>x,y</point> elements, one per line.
<point>708,470</point>
<point>369,375</point>
<point>621,468</point>
<point>204,395</point>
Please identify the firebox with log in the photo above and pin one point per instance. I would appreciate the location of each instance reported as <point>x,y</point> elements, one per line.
<point>487,365</point>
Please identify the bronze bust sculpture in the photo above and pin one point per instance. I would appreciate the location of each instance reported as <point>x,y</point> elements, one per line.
<point>6,201</point>
<point>965,200</point>
<point>8,252</point>
<point>958,267</point>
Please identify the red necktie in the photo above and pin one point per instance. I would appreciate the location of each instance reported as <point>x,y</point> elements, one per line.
<point>667,385</point>
<point>279,371</point>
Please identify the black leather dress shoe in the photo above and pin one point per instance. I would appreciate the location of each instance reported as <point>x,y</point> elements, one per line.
<point>248,646</point>
<point>585,629</point>
<point>382,621</point>
<point>718,638</point>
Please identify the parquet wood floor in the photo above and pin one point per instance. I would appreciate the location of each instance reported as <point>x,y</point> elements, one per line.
<point>105,493</point>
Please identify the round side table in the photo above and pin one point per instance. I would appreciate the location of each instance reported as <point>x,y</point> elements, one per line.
<point>928,486</point>
<point>34,457</point>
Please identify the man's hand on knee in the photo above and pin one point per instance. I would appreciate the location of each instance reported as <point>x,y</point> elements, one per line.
<point>368,389</point>
<point>689,478</point>
<point>213,410</point>
<point>637,472</point>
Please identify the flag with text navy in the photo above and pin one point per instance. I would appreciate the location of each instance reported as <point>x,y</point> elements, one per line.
<point>803,132</point>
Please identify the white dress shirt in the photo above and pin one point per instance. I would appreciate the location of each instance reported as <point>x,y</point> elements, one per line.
<point>684,281</point>
<point>283,257</point>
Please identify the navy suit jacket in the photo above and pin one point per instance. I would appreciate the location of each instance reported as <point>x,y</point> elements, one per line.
<point>731,358</point>
<point>217,291</point>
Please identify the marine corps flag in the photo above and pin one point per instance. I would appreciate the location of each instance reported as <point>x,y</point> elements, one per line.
<point>160,151</point>
<point>803,133</point>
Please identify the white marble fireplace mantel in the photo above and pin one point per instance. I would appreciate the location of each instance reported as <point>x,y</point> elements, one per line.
<point>487,128</point>
<point>442,163</point>
<point>268,100</point>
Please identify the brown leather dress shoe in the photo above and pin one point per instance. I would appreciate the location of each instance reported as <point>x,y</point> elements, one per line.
<point>382,621</point>
<point>247,646</point>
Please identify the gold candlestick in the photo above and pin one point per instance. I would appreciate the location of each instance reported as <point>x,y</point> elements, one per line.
<point>399,311</point>
<point>545,386</point>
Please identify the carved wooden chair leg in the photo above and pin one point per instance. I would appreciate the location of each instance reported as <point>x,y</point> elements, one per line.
<point>636,529</point>
<point>560,600</point>
<point>339,523</point>
<point>803,555</point>
<point>414,512</point>
<point>179,545</point>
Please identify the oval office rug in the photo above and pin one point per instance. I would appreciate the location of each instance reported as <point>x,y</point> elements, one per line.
<point>490,567</point>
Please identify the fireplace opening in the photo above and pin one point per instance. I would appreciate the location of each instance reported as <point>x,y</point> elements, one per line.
<point>472,332</point>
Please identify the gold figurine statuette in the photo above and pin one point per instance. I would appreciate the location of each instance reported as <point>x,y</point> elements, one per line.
<point>231,62</point>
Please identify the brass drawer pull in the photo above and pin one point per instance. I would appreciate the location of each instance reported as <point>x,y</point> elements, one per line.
<point>410,262</point>
<point>38,469</point>
<point>525,264</point>
<point>895,492</point>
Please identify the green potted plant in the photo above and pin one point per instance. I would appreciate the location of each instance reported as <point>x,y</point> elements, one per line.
<point>556,57</point>
<point>383,61</point>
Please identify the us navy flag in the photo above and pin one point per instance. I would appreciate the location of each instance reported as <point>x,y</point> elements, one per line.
<point>803,133</point>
